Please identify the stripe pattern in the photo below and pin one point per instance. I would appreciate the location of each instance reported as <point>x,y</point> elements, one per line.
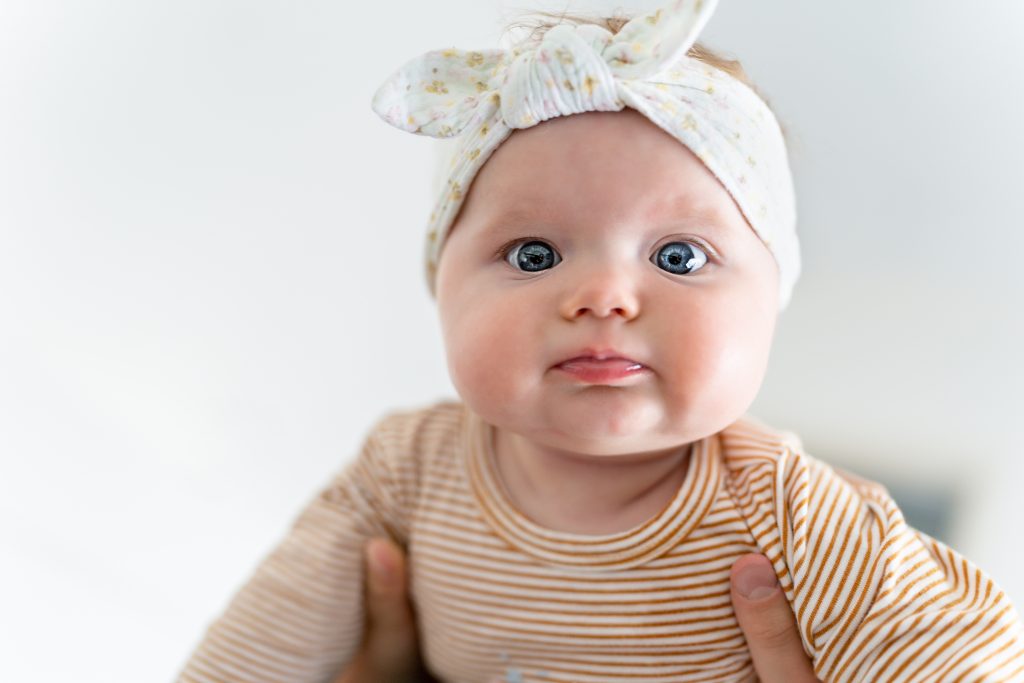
<point>501,599</point>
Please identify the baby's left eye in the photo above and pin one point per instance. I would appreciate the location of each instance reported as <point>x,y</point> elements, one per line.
<point>680,258</point>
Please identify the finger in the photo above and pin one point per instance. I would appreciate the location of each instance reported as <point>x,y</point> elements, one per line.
<point>391,647</point>
<point>387,604</point>
<point>768,623</point>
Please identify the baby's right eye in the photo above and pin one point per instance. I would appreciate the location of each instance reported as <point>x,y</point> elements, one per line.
<point>532,256</point>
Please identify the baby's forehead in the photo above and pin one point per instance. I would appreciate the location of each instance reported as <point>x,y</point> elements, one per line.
<point>657,180</point>
<point>670,211</point>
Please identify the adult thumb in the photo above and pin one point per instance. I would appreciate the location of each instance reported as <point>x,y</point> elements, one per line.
<point>387,605</point>
<point>391,647</point>
<point>768,623</point>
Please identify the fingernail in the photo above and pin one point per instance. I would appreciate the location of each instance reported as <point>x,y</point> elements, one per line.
<point>380,562</point>
<point>757,580</point>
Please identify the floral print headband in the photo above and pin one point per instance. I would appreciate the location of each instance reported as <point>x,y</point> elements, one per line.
<point>482,96</point>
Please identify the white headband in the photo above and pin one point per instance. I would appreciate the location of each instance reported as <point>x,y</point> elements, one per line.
<point>482,96</point>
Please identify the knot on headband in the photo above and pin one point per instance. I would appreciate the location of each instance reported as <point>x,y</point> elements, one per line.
<point>566,74</point>
<point>481,96</point>
<point>440,92</point>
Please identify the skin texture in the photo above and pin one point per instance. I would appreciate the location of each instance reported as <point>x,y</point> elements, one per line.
<point>606,191</point>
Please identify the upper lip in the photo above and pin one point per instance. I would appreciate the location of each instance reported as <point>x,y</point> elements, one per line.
<point>595,353</point>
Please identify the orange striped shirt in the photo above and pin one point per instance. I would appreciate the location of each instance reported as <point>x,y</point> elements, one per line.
<point>501,599</point>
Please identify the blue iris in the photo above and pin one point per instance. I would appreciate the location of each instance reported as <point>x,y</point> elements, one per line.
<point>681,258</point>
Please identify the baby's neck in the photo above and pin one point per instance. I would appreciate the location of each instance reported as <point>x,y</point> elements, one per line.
<point>593,495</point>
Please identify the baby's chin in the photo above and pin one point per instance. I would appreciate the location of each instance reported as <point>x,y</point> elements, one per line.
<point>621,449</point>
<point>601,428</point>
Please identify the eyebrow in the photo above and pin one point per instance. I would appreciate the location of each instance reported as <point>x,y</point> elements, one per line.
<point>704,212</point>
<point>513,220</point>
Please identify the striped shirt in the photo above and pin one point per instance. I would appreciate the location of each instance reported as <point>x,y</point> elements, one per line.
<point>501,599</point>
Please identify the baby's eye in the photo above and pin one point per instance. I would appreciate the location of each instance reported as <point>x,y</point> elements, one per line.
<point>532,256</point>
<point>680,258</point>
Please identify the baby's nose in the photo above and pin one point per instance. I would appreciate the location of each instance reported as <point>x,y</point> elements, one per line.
<point>602,293</point>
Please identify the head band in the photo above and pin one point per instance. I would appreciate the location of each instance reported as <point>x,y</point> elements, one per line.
<point>482,96</point>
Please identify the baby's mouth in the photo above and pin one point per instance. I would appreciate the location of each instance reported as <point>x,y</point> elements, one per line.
<point>601,371</point>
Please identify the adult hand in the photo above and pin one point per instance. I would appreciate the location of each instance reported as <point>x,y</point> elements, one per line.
<point>768,623</point>
<point>390,650</point>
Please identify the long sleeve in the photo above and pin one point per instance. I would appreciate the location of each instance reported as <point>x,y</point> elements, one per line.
<point>300,616</point>
<point>875,600</point>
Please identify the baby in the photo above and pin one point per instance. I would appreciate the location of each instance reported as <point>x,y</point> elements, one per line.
<point>609,258</point>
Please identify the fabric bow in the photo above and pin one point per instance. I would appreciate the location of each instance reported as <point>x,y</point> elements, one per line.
<point>440,93</point>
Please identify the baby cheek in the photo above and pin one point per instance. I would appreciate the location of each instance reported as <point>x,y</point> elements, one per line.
<point>487,353</point>
<point>738,360</point>
<point>697,366</point>
<point>712,360</point>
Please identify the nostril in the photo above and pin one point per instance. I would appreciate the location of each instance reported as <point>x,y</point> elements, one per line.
<point>601,303</point>
<point>604,313</point>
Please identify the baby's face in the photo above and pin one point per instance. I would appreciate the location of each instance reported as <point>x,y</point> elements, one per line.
<point>619,217</point>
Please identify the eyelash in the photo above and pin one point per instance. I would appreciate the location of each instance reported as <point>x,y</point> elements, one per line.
<point>504,250</point>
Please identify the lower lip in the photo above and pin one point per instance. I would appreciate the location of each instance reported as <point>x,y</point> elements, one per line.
<point>601,371</point>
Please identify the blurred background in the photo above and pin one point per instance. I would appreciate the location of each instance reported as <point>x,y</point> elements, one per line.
<point>211,285</point>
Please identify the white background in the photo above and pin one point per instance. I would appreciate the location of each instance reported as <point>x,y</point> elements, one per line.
<point>210,281</point>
